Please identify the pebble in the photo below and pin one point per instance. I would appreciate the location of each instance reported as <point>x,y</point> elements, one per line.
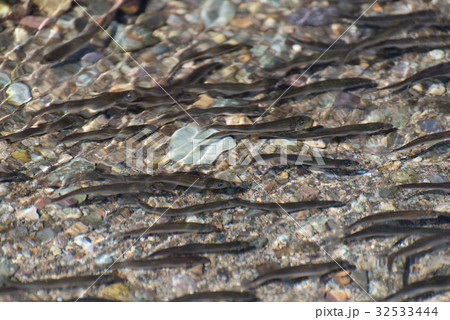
<point>33,22</point>
<point>29,214</point>
<point>217,12</point>
<point>53,7</point>
<point>284,175</point>
<point>269,61</point>
<point>135,37</point>
<point>385,206</point>
<point>63,213</point>
<point>69,170</point>
<point>93,219</point>
<point>358,204</point>
<point>183,284</point>
<point>21,35</point>
<point>360,277</point>
<point>4,190</point>
<point>242,22</point>
<point>79,198</point>
<point>7,267</point>
<point>219,38</point>
<point>46,234</point>
<point>254,7</point>
<point>314,16</point>
<point>437,54</point>
<point>84,242</point>
<point>116,291</point>
<point>77,228</point>
<point>5,9</point>
<point>190,146</point>
<point>403,176</point>
<point>336,296</point>
<point>437,89</point>
<point>342,278</point>
<point>18,93</point>
<point>378,289</point>
<point>104,259</point>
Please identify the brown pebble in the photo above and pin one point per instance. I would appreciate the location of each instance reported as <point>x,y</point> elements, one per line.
<point>242,22</point>
<point>33,22</point>
<point>336,296</point>
<point>42,202</point>
<point>342,278</point>
<point>282,252</point>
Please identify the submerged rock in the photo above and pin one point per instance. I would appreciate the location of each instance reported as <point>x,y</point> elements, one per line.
<point>191,146</point>
<point>314,16</point>
<point>28,214</point>
<point>18,93</point>
<point>217,12</point>
<point>53,7</point>
<point>135,37</point>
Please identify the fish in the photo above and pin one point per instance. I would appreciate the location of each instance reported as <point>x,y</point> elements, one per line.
<point>195,248</point>
<point>289,206</point>
<point>107,190</point>
<point>434,42</point>
<point>437,71</point>
<point>301,160</point>
<point>376,39</point>
<point>286,124</point>
<point>60,283</point>
<point>196,75</point>
<point>217,296</point>
<point>192,55</point>
<point>384,230</point>
<point>419,247</point>
<point>438,186</point>
<point>320,46</point>
<point>170,228</point>
<point>65,122</point>
<point>108,133</point>
<point>430,139</point>
<point>13,177</point>
<point>431,285</point>
<point>183,179</point>
<point>168,262</point>
<point>305,61</point>
<point>347,84</point>
<point>400,215</point>
<point>343,131</point>
<point>203,208</point>
<point>227,89</point>
<point>236,202</point>
<point>215,111</point>
<point>94,105</point>
<point>149,102</point>
<point>297,272</point>
<point>66,49</point>
<point>388,21</point>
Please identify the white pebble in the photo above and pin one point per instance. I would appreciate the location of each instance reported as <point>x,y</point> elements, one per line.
<point>18,93</point>
<point>437,89</point>
<point>28,214</point>
<point>437,54</point>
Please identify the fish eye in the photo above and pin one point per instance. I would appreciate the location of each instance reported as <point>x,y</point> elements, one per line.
<point>130,96</point>
<point>220,184</point>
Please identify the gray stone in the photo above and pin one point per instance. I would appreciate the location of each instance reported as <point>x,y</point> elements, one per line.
<point>217,12</point>
<point>46,234</point>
